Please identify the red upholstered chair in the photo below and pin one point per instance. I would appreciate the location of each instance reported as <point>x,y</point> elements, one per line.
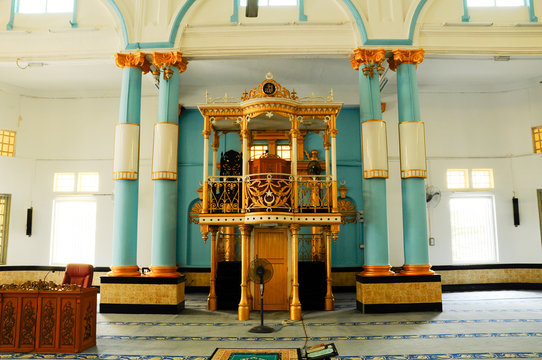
<point>78,274</point>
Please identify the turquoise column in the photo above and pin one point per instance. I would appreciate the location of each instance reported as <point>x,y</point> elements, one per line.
<point>375,223</point>
<point>164,224</point>
<point>415,234</point>
<point>126,183</point>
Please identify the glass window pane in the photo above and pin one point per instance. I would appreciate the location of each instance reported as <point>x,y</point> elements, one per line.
<point>74,231</point>
<point>480,3</point>
<point>32,6</point>
<point>64,182</point>
<point>59,6</point>
<point>473,230</point>
<point>457,178</point>
<point>510,2</point>
<point>482,178</point>
<point>257,150</point>
<point>282,2</point>
<point>88,182</point>
<point>283,151</point>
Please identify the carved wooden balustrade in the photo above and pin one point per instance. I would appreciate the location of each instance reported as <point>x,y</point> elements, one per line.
<point>270,192</point>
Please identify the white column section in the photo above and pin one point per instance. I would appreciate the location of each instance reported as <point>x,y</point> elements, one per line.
<point>205,159</point>
<point>246,156</point>
<point>126,155</point>
<point>375,149</point>
<point>165,150</point>
<point>412,146</point>
<point>333,159</point>
<point>294,155</point>
<point>328,170</point>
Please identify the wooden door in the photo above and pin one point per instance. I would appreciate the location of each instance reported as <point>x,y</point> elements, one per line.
<point>272,244</point>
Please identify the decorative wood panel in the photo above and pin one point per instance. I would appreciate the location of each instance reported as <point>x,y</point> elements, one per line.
<point>272,244</point>
<point>47,321</point>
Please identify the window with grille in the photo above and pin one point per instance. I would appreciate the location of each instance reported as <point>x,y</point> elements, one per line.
<point>44,6</point>
<point>5,201</point>
<point>474,238</point>
<point>495,3</point>
<point>272,3</point>
<point>74,230</point>
<point>482,178</point>
<point>284,151</point>
<point>258,150</point>
<point>7,143</point>
<point>458,178</point>
<point>537,139</point>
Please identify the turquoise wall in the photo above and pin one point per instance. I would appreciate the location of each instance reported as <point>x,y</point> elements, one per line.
<point>192,252</point>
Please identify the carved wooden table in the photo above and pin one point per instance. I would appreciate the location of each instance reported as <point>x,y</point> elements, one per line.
<point>47,320</point>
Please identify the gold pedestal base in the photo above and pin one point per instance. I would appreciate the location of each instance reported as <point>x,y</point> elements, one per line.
<point>417,270</point>
<point>377,270</point>
<point>211,303</point>
<point>330,303</point>
<point>243,313</point>
<point>130,271</point>
<point>163,271</point>
<point>295,312</point>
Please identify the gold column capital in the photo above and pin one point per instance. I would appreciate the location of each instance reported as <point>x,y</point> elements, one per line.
<point>216,141</point>
<point>325,138</point>
<point>371,58</point>
<point>136,60</point>
<point>414,56</point>
<point>170,59</point>
<point>294,228</point>
<point>245,229</point>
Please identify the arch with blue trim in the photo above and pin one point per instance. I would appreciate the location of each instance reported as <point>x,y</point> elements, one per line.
<point>188,4</point>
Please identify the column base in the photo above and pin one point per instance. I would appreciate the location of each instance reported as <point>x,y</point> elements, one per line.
<point>417,270</point>
<point>243,313</point>
<point>295,312</point>
<point>163,271</point>
<point>211,303</point>
<point>377,270</point>
<point>130,271</point>
<point>330,303</point>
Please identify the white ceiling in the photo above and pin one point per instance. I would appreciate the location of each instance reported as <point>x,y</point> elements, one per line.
<point>101,78</point>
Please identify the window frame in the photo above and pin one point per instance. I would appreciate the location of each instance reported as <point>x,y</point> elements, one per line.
<point>4,235</point>
<point>15,7</point>
<point>263,144</point>
<point>9,135</point>
<point>538,130</point>
<point>528,3</point>
<point>495,239</point>
<point>73,198</point>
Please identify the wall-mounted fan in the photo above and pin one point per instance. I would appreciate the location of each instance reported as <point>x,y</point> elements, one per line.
<point>260,272</point>
<point>432,196</point>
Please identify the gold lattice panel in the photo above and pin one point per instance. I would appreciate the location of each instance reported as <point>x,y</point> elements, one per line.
<point>7,143</point>
<point>537,139</point>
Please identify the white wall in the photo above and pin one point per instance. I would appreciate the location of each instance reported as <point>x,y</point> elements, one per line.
<point>468,131</point>
<point>67,135</point>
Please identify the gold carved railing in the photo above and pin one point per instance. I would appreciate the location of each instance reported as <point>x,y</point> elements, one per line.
<point>314,193</point>
<point>269,192</point>
<point>225,194</point>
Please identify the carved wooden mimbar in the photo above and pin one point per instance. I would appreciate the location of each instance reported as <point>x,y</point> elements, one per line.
<point>41,316</point>
<point>281,194</point>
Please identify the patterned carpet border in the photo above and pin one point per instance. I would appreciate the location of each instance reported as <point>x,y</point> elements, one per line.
<point>462,356</point>
<point>356,323</point>
<point>321,338</point>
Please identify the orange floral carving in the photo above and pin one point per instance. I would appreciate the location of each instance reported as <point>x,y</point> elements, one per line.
<point>136,60</point>
<point>367,56</point>
<point>405,57</point>
<point>174,59</point>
